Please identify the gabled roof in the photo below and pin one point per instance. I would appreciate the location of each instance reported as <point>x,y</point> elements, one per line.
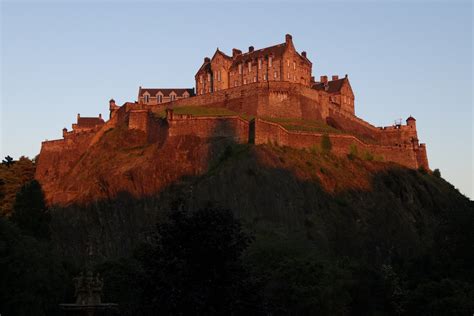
<point>218,51</point>
<point>276,51</point>
<point>205,66</point>
<point>166,91</point>
<point>333,86</point>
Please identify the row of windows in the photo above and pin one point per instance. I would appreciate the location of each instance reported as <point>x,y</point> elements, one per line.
<point>159,98</point>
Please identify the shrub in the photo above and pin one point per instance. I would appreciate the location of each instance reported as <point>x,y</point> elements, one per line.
<point>368,156</point>
<point>326,144</point>
<point>314,149</point>
<point>437,173</point>
<point>353,152</point>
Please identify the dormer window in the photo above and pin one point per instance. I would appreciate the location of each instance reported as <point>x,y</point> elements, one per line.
<point>270,59</point>
<point>259,64</point>
<point>159,98</point>
<point>172,97</point>
<point>146,97</point>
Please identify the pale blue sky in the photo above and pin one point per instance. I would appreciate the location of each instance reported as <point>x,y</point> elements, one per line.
<point>402,58</point>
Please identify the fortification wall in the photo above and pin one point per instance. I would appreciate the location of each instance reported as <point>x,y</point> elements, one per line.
<point>341,144</point>
<point>232,127</point>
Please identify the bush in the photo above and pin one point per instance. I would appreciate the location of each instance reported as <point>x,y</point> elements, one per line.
<point>353,152</point>
<point>326,144</point>
<point>368,156</point>
<point>437,173</point>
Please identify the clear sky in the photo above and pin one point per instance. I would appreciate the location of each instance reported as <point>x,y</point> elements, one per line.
<point>402,58</point>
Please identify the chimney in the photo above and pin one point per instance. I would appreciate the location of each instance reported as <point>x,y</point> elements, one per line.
<point>312,78</point>
<point>335,77</point>
<point>323,79</point>
<point>78,116</point>
<point>236,52</point>
<point>100,115</point>
<point>64,132</point>
<point>250,49</point>
<point>303,54</point>
<point>207,59</point>
<point>288,39</point>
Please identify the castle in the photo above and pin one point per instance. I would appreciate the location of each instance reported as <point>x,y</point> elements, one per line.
<point>270,96</point>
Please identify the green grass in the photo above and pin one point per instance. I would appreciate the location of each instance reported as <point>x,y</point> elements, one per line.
<point>304,125</point>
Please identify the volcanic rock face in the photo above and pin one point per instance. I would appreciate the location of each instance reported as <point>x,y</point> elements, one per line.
<point>112,192</point>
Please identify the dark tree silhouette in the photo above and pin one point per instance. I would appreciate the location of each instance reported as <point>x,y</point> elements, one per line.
<point>8,161</point>
<point>30,212</point>
<point>195,268</point>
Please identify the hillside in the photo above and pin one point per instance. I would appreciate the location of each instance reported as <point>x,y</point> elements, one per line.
<point>196,225</point>
<point>122,184</point>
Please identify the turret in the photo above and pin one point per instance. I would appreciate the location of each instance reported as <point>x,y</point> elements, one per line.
<point>64,132</point>
<point>288,39</point>
<point>112,108</point>
<point>411,122</point>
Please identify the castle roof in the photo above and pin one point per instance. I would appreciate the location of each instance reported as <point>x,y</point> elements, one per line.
<point>89,121</point>
<point>333,86</point>
<point>276,50</point>
<point>166,91</point>
<point>411,118</point>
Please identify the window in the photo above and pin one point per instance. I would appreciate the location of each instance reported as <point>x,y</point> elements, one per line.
<point>200,79</point>
<point>159,98</point>
<point>270,59</point>
<point>208,77</point>
<point>219,75</point>
<point>202,91</point>
<point>235,83</point>
<point>259,64</point>
<point>255,79</point>
<point>250,66</point>
<point>288,75</point>
<point>275,75</point>
<point>294,78</point>
<point>288,62</point>
<point>245,81</point>
<point>240,69</point>
<point>294,65</point>
<point>264,77</point>
<point>146,97</point>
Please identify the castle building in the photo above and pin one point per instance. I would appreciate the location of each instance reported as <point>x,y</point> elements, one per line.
<point>87,123</point>
<point>154,96</point>
<point>275,63</point>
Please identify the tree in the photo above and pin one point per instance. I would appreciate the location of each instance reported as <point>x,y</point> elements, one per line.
<point>194,266</point>
<point>30,212</point>
<point>8,161</point>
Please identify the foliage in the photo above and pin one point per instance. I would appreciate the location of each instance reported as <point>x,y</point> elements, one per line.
<point>12,178</point>
<point>194,266</point>
<point>437,173</point>
<point>33,279</point>
<point>368,156</point>
<point>326,144</point>
<point>30,212</point>
<point>8,161</point>
<point>353,152</point>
